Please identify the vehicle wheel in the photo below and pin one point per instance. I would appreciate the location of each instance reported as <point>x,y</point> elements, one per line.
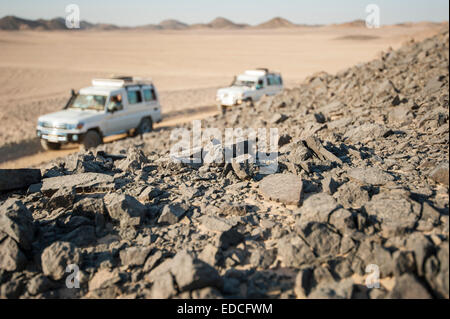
<point>146,126</point>
<point>249,102</point>
<point>46,145</point>
<point>90,140</point>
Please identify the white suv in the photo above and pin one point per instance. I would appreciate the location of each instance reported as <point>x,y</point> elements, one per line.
<point>108,107</point>
<point>249,87</point>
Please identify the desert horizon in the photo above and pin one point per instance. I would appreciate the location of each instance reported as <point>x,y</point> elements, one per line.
<point>15,23</point>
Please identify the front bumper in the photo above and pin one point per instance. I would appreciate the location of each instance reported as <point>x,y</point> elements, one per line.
<point>229,101</point>
<point>58,136</point>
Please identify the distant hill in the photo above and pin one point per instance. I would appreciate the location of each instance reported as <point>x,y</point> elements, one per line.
<point>164,25</point>
<point>99,26</point>
<point>276,23</point>
<point>148,27</point>
<point>173,25</point>
<point>423,24</point>
<point>222,23</point>
<point>352,24</point>
<point>13,23</point>
<point>53,24</point>
<point>219,23</point>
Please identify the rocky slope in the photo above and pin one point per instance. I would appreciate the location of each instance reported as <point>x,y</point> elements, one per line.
<point>361,189</point>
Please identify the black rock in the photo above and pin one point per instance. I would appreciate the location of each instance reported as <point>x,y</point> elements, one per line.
<point>228,238</point>
<point>81,236</point>
<point>11,257</point>
<point>56,257</point>
<point>11,179</point>
<point>16,221</point>
<point>125,209</point>
<point>191,273</point>
<point>263,258</point>
<point>408,286</point>
<point>171,214</point>
<point>440,173</point>
<point>294,252</point>
<point>40,284</point>
<point>134,256</point>
<point>304,282</point>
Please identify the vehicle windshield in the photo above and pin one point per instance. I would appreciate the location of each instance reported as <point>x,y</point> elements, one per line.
<point>89,102</point>
<point>238,82</point>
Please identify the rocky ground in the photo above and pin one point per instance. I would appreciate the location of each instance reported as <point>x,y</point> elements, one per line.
<point>362,180</point>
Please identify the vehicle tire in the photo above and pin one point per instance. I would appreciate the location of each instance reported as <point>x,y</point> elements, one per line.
<point>50,146</point>
<point>249,102</point>
<point>146,126</point>
<point>90,140</point>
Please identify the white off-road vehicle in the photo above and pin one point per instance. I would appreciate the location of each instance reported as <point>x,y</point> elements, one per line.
<point>249,88</point>
<point>108,107</point>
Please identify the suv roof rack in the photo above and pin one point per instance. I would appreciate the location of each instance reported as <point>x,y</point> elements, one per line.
<point>263,69</point>
<point>124,78</point>
<point>138,80</point>
<point>118,82</point>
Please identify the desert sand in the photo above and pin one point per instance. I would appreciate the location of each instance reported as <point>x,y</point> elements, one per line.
<point>37,69</point>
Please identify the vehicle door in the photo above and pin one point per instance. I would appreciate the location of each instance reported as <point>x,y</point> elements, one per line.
<point>273,84</point>
<point>115,112</point>
<point>136,107</point>
<point>152,106</point>
<point>278,83</point>
<point>261,88</point>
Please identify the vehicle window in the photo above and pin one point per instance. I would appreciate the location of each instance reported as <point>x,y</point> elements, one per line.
<point>116,102</point>
<point>271,80</point>
<point>134,97</point>
<point>89,102</point>
<point>279,80</point>
<point>238,82</point>
<point>149,95</point>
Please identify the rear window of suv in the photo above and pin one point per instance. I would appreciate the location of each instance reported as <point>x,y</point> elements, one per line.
<point>149,94</point>
<point>274,80</point>
<point>279,80</point>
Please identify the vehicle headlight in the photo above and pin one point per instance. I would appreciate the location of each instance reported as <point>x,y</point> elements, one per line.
<point>77,126</point>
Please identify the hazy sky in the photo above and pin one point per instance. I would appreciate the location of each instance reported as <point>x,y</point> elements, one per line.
<point>139,12</point>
